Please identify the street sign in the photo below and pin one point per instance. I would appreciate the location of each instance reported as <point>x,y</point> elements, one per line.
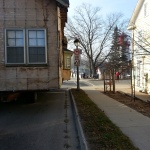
<point>77,57</point>
<point>77,62</point>
<point>76,52</point>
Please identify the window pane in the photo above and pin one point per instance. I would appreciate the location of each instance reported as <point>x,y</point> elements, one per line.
<point>11,34</point>
<point>33,51</point>
<point>20,59</point>
<point>41,42</point>
<point>19,42</point>
<point>41,51</point>
<point>15,55</point>
<point>32,42</point>
<point>41,58</point>
<point>32,34</point>
<point>145,9</point>
<point>33,59</point>
<point>19,34</point>
<point>41,54</point>
<point>20,51</point>
<point>11,42</point>
<point>68,63</point>
<point>37,55</point>
<point>40,34</point>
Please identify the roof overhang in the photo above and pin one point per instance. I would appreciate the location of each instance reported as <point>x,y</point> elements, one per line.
<point>131,25</point>
<point>65,3</point>
<point>67,51</point>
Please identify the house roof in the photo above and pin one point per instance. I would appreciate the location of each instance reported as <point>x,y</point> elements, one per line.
<point>68,51</point>
<point>63,2</point>
<point>135,14</point>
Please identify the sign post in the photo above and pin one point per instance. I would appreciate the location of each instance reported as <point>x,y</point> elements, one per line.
<point>77,63</point>
<point>76,57</point>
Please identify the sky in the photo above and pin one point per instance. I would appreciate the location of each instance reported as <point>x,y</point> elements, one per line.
<point>126,7</point>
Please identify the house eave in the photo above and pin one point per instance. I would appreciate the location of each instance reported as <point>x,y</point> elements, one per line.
<point>135,14</point>
<point>67,51</point>
<point>131,27</point>
<point>62,2</point>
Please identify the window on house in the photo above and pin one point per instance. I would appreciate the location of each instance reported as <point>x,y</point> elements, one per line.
<point>142,41</point>
<point>67,62</point>
<point>25,47</point>
<point>140,36</point>
<point>36,46</point>
<point>15,46</point>
<point>145,9</point>
<point>139,41</point>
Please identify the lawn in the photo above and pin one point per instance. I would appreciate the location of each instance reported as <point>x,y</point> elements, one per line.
<point>100,132</point>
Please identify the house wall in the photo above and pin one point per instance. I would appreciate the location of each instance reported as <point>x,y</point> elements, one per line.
<point>30,14</point>
<point>66,74</point>
<point>142,58</point>
<point>60,37</point>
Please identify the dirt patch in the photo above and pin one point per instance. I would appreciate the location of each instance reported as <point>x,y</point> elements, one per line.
<point>136,104</point>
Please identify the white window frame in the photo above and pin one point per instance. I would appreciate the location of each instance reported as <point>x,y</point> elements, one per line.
<point>26,46</point>
<point>6,46</point>
<point>27,39</point>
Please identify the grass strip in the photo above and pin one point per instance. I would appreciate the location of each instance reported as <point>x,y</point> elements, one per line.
<point>100,132</point>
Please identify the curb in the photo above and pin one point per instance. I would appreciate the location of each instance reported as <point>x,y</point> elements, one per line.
<point>82,140</point>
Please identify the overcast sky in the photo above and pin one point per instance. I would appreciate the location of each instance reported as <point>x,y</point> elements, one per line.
<point>126,7</point>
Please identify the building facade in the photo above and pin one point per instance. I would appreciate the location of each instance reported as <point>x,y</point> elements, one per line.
<point>31,51</point>
<point>140,26</point>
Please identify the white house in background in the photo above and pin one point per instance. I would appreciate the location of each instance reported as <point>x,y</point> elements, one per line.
<point>140,26</point>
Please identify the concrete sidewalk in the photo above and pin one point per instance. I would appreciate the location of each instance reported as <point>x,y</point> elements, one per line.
<point>133,124</point>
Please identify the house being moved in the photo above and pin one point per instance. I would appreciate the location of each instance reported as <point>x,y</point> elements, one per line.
<point>33,51</point>
<point>31,39</point>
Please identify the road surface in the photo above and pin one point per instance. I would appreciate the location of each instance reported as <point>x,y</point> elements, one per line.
<point>47,124</point>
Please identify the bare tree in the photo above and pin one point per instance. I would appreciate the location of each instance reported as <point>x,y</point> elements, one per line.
<point>94,33</point>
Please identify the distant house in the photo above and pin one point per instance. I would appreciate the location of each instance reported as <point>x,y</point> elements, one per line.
<point>140,26</point>
<point>31,39</point>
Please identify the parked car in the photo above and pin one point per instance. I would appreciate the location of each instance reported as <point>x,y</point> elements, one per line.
<point>96,76</point>
<point>84,75</point>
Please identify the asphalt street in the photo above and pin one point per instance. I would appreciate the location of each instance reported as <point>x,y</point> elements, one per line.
<point>47,124</point>
<point>94,83</point>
